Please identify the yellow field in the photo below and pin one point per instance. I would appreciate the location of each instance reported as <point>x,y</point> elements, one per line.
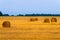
<point>23,29</point>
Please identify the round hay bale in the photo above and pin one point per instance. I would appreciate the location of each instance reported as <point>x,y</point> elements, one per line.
<point>31,19</point>
<point>6,24</point>
<point>46,20</point>
<point>34,19</point>
<point>53,20</point>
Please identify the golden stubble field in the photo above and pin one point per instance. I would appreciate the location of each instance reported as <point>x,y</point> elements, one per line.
<point>24,29</point>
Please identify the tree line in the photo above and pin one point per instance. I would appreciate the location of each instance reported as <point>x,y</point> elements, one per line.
<point>1,14</point>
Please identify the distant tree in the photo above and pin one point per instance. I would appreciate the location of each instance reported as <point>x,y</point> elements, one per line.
<point>19,15</point>
<point>1,13</point>
<point>30,15</point>
<point>5,14</point>
<point>42,14</point>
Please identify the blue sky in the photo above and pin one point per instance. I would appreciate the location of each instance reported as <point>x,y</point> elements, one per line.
<point>29,6</point>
